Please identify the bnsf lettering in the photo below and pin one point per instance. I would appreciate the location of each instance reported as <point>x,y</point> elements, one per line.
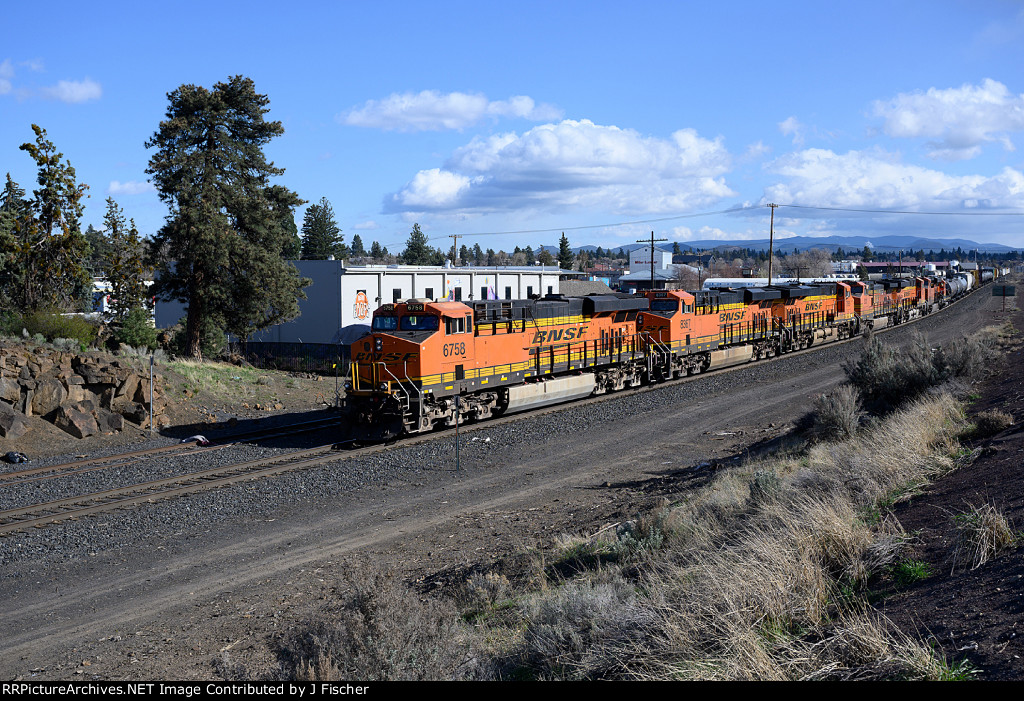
<point>386,357</point>
<point>727,317</point>
<point>813,306</point>
<point>556,335</point>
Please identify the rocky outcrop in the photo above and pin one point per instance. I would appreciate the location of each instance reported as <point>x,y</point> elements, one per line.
<point>80,393</point>
<point>12,423</point>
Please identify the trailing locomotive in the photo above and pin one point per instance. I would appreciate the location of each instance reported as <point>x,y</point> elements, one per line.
<point>427,364</point>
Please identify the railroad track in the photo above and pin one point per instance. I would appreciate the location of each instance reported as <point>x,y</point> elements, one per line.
<point>76,467</point>
<point>71,508</point>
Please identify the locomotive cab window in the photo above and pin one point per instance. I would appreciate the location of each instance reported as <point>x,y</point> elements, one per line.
<point>457,325</point>
<point>664,305</point>
<point>419,322</point>
<point>385,323</point>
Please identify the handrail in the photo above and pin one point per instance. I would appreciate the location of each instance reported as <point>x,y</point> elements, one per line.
<point>408,397</point>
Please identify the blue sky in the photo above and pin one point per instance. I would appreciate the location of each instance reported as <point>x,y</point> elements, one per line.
<point>480,118</point>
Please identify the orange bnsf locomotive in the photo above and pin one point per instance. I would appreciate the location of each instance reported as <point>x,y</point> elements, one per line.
<point>427,364</point>
<point>424,362</point>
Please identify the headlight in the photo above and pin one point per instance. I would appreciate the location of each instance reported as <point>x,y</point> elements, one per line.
<point>378,344</point>
<point>348,386</point>
<point>383,387</point>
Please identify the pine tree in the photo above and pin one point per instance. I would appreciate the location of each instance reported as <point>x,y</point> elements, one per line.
<point>376,252</point>
<point>417,252</point>
<point>464,255</point>
<point>283,203</point>
<point>478,254</point>
<point>220,249</point>
<point>357,247</point>
<point>13,207</point>
<point>565,256</point>
<point>321,237</point>
<point>126,271</point>
<point>48,270</point>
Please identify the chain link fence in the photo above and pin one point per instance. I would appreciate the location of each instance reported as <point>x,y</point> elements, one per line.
<point>326,359</point>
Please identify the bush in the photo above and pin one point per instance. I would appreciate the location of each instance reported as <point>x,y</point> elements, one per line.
<point>383,632</point>
<point>51,325</point>
<point>887,377</point>
<point>136,330</point>
<point>989,423</point>
<point>10,323</point>
<point>836,414</point>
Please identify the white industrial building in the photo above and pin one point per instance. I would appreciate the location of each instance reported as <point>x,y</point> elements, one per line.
<point>640,259</point>
<point>341,300</point>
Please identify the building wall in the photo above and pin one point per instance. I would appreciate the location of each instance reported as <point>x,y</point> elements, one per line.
<point>340,298</point>
<point>641,258</point>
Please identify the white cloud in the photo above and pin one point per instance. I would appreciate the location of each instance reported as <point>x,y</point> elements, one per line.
<point>430,110</point>
<point>794,127</point>
<point>6,74</point>
<point>878,180</point>
<point>129,188</point>
<point>368,225</point>
<point>74,91</point>
<point>434,189</point>
<point>958,120</point>
<point>574,164</point>
<point>756,151</point>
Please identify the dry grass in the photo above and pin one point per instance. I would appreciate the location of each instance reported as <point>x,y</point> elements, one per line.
<point>381,631</point>
<point>758,575</point>
<point>989,423</point>
<point>981,533</point>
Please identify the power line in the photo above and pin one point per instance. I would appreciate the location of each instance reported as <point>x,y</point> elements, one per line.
<point>730,210</point>
<point>901,211</point>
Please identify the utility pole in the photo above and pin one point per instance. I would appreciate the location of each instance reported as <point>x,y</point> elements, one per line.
<point>455,248</point>
<point>771,243</point>
<point>652,255</point>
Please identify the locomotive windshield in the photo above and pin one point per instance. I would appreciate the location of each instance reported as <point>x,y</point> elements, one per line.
<point>419,322</point>
<point>385,323</point>
<point>664,305</point>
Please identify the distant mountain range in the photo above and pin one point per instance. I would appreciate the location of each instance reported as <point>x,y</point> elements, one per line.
<point>850,244</point>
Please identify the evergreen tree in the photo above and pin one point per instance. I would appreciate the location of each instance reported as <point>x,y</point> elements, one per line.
<point>126,271</point>
<point>99,251</point>
<point>464,255</point>
<point>321,237</point>
<point>528,253</point>
<point>49,247</point>
<point>676,250</point>
<point>492,257</point>
<point>545,257</point>
<point>478,255</point>
<point>357,247</point>
<point>220,248</point>
<point>376,252</point>
<point>283,203</point>
<point>417,252</point>
<point>13,207</point>
<point>866,253</point>
<point>599,253</point>
<point>565,256</point>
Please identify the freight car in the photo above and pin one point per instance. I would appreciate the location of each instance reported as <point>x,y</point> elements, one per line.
<point>429,364</point>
